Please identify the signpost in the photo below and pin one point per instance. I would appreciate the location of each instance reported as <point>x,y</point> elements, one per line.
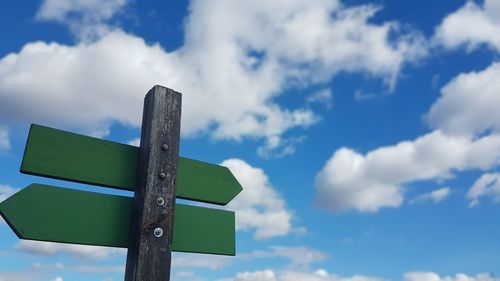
<point>150,225</point>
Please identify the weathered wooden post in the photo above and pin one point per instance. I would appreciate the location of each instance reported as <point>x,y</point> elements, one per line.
<point>150,243</point>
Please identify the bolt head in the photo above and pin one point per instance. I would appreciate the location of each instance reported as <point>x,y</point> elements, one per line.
<point>160,201</point>
<point>158,232</point>
<point>164,146</point>
<point>162,175</point>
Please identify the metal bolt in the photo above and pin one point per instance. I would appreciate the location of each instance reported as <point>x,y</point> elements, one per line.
<point>162,175</point>
<point>158,232</point>
<point>160,201</point>
<point>164,146</point>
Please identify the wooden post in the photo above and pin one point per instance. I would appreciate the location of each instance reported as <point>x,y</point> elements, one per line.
<point>150,243</point>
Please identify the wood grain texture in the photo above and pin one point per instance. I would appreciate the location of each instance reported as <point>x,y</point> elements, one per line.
<point>149,257</point>
<point>68,156</point>
<point>56,214</point>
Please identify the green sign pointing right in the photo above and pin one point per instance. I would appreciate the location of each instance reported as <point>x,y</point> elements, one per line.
<point>68,156</point>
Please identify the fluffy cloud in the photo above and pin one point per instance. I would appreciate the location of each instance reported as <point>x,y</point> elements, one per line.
<point>258,206</point>
<point>487,185</point>
<point>40,266</point>
<point>183,260</point>
<point>466,136</point>
<point>87,19</point>
<point>435,196</point>
<point>63,10</point>
<point>99,268</point>
<point>431,276</point>
<point>468,103</point>
<point>4,139</point>
<point>323,97</point>
<point>79,251</point>
<point>299,256</point>
<point>472,25</point>
<point>375,180</point>
<point>240,67</point>
<point>323,275</point>
<point>318,275</point>
<point>6,191</point>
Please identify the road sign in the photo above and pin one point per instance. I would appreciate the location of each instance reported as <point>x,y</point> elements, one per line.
<point>49,213</point>
<point>68,156</point>
<point>150,225</point>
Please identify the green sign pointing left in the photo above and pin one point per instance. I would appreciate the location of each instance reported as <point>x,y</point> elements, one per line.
<point>48,213</point>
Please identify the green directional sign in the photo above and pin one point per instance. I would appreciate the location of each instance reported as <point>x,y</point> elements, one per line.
<point>68,156</point>
<point>48,213</point>
<point>150,225</point>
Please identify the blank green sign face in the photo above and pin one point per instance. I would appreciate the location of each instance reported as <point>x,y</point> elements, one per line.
<point>63,155</point>
<point>48,213</point>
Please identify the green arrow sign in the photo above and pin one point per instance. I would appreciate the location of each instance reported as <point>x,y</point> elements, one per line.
<point>63,155</point>
<point>48,213</point>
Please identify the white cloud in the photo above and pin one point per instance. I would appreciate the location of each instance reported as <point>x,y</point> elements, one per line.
<point>87,19</point>
<point>184,260</point>
<point>135,142</point>
<point>185,274</point>
<point>318,275</point>
<point>6,191</point>
<point>25,275</point>
<point>258,206</point>
<point>299,256</point>
<point>240,67</point>
<point>261,275</point>
<point>323,97</point>
<point>277,147</point>
<point>431,276</point>
<point>4,139</point>
<point>33,273</point>
<point>79,251</point>
<point>435,196</point>
<point>470,26</point>
<point>468,103</point>
<point>350,180</point>
<point>466,136</point>
<point>62,10</point>
<point>487,185</point>
<point>39,266</point>
<point>98,268</point>
<point>323,275</point>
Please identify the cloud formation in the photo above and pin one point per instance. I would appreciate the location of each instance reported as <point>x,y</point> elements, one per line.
<point>431,276</point>
<point>471,26</point>
<point>467,105</point>
<point>241,67</point>
<point>79,251</point>
<point>87,19</point>
<point>435,196</point>
<point>301,257</point>
<point>368,182</point>
<point>258,206</point>
<point>4,139</point>
<point>291,275</point>
<point>323,275</point>
<point>466,132</point>
<point>487,185</point>
<point>6,191</point>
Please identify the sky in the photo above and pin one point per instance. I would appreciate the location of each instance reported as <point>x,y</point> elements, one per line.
<point>366,134</point>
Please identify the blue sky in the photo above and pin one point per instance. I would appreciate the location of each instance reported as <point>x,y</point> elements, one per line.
<point>365,133</point>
